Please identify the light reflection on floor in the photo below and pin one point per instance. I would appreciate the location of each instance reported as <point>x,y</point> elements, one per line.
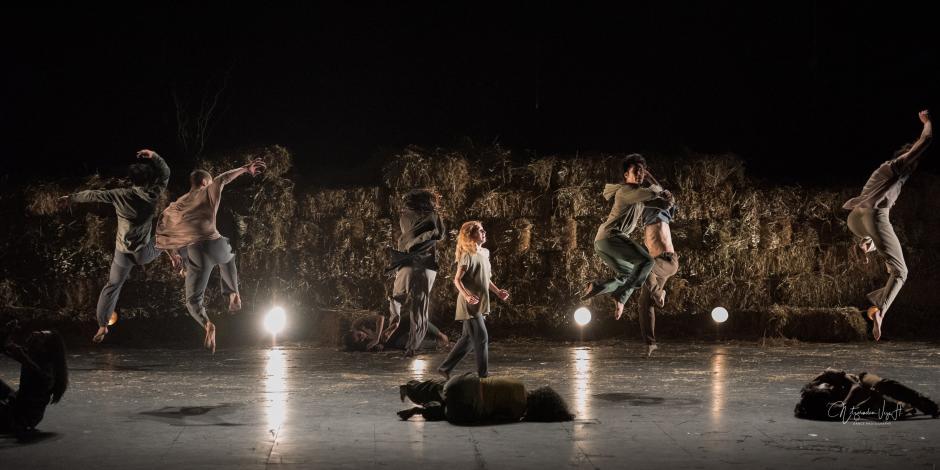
<point>419,367</point>
<point>718,389</point>
<point>581,362</point>
<point>275,387</point>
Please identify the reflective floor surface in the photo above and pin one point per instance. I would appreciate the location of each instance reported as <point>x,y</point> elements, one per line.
<point>693,405</point>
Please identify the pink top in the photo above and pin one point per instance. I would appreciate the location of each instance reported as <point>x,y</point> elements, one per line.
<point>191,218</point>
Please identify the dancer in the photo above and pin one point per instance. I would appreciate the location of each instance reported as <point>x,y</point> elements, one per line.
<point>187,226</point>
<point>44,377</point>
<point>466,399</point>
<point>834,395</point>
<point>364,334</point>
<point>630,261</point>
<point>869,220</point>
<point>136,207</point>
<point>416,265</point>
<point>657,215</point>
<point>473,283</point>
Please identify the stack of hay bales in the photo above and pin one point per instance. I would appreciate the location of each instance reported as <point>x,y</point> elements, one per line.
<point>743,245</point>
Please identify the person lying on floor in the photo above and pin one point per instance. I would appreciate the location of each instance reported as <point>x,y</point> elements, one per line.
<point>468,399</point>
<point>836,395</point>
<point>44,377</point>
<point>368,334</point>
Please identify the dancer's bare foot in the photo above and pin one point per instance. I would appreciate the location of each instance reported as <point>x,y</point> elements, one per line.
<point>876,329</point>
<point>650,348</point>
<point>619,311</point>
<point>234,302</point>
<point>99,336</point>
<point>443,341</point>
<point>872,311</point>
<point>113,318</point>
<point>661,299</point>
<point>210,337</point>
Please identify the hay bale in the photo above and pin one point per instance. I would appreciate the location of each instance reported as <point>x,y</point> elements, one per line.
<point>446,172</point>
<point>840,324</point>
<point>41,199</point>
<point>522,235</point>
<point>367,202</point>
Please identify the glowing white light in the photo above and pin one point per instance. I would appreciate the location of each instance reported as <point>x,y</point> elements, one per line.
<point>719,314</point>
<point>275,320</point>
<point>582,316</point>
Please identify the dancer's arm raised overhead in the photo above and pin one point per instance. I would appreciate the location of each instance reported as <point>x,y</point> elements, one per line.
<point>908,159</point>
<point>162,178</point>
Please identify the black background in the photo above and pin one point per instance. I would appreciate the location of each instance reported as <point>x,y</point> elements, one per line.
<point>811,92</point>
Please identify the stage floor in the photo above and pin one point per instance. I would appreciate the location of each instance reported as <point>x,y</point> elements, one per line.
<point>693,405</point>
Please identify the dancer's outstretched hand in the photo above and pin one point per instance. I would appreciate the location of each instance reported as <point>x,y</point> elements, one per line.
<point>471,299</point>
<point>256,166</point>
<point>145,153</point>
<point>924,116</point>
<point>503,294</point>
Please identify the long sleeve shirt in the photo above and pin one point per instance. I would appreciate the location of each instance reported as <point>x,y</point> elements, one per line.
<point>627,208</point>
<point>420,230</point>
<point>135,207</point>
<point>191,218</point>
<point>883,187</point>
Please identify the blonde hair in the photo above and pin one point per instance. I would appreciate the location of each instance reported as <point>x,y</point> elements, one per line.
<point>466,245</point>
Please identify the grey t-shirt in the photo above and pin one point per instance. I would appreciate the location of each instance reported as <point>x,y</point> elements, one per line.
<point>476,279</point>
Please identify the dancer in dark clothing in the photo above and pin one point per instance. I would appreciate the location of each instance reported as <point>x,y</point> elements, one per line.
<point>870,220</point>
<point>136,207</point>
<point>466,399</point>
<point>836,395</point>
<point>43,380</point>
<point>415,266</point>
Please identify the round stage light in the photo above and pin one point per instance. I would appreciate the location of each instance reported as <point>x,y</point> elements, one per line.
<point>275,320</point>
<point>719,314</point>
<point>582,316</point>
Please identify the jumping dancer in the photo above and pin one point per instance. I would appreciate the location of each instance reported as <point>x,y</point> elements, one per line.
<point>188,227</point>
<point>473,283</point>
<point>136,207</point>
<point>657,215</point>
<point>869,220</point>
<point>416,266</point>
<point>630,261</point>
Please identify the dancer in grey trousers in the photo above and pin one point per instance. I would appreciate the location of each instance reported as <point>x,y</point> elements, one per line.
<point>869,220</point>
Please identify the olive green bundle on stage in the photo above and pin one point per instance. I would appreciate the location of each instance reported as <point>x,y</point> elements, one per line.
<point>783,251</point>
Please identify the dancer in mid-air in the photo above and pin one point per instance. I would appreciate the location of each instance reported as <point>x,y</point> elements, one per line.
<point>657,215</point>
<point>44,377</point>
<point>136,207</point>
<point>416,267</point>
<point>473,282</point>
<point>466,399</point>
<point>187,227</point>
<point>630,261</point>
<point>870,220</point>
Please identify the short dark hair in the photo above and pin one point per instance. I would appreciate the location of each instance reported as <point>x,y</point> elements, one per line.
<point>140,174</point>
<point>422,200</point>
<point>634,159</point>
<point>545,405</point>
<point>198,176</point>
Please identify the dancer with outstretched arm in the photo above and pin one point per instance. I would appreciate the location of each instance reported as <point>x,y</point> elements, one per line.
<point>187,227</point>
<point>136,207</point>
<point>870,222</point>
